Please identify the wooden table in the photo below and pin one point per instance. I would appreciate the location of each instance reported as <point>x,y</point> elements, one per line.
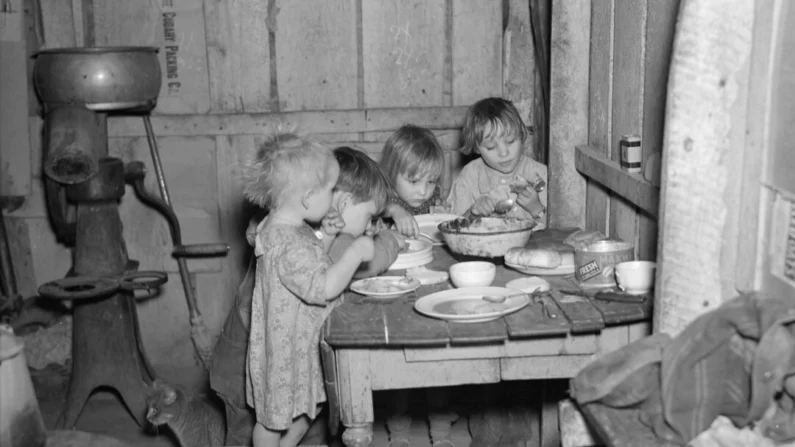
<point>370,346</point>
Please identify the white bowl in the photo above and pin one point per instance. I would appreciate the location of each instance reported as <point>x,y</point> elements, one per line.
<point>635,277</point>
<point>473,274</point>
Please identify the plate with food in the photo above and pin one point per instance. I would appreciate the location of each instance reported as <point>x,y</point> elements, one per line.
<point>429,225</point>
<point>385,286</point>
<point>414,254</point>
<point>472,304</point>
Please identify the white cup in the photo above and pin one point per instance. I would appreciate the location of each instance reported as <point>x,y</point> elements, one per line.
<point>635,277</point>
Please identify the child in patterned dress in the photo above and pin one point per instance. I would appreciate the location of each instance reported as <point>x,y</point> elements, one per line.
<point>296,284</point>
<point>494,129</point>
<point>413,161</point>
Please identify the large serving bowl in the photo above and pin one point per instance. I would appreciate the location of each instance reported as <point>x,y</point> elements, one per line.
<point>488,237</point>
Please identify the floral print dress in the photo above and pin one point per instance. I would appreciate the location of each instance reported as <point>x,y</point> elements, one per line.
<point>284,377</point>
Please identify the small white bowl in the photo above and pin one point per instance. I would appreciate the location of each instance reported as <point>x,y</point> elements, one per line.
<point>635,277</point>
<point>473,274</point>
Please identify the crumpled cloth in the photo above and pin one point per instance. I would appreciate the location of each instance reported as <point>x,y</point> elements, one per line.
<point>737,361</point>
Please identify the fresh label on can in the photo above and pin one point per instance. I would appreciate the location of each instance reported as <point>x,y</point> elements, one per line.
<point>589,270</point>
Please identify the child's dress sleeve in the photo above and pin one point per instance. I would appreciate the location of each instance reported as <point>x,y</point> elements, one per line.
<point>302,270</point>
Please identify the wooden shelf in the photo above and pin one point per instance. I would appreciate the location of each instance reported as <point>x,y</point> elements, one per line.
<point>632,187</point>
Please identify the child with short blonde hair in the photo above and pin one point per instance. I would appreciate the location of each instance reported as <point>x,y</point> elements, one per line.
<point>494,130</point>
<point>413,162</point>
<point>296,284</point>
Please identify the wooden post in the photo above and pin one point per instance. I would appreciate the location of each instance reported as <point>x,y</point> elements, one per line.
<point>706,92</point>
<point>568,115</point>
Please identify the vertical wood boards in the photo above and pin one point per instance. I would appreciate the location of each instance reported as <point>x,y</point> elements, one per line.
<point>659,44</point>
<point>176,27</point>
<point>59,23</point>
<point>597,215</point>
<point>238,55</point>
<point>519,67</point>
<point>568,110</point>
<point>15,169</point>
<point>628,70</point>
<point>477,51</point>
<point>316,61</point>
<point>403,52</point>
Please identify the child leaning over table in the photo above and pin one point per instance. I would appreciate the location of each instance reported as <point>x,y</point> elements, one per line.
<point>494,130</point>
<point>413,162</point>
<point>296,285</point>
<point>361,192</point>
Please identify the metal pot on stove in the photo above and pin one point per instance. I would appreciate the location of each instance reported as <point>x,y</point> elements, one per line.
<point>99,78</point>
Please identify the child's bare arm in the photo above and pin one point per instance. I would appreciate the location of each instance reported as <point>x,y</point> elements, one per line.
<point>404,221</point>
<point>341,272</point>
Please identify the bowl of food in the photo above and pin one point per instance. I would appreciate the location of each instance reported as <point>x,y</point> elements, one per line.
<point>487,237</point>
<point>473,274</point>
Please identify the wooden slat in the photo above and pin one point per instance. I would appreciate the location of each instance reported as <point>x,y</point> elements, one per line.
<point>238,55</point>
<point>403,50</point>
<point>659,42</point>
<point>59,24</point>
<point>633,188</point>
<point>582,315</point>
<point>15,169</point>
<point>316,62</point>
<point>312,121</point>
<point>627,105</point>
<point>177,28</point>
<point>519,66</point>
<point>568,110</point>
<point>477,51</point>
<point>597,206</point>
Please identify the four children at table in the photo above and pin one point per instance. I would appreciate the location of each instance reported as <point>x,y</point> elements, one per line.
<point>311,244</point>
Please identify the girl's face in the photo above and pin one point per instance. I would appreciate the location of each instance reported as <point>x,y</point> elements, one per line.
<point>415,191</point>
<point>501,149</point>
<point>318,201</point>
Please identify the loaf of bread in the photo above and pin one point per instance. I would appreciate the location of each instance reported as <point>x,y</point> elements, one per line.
<point>582,238</point>
<point>533,257</point>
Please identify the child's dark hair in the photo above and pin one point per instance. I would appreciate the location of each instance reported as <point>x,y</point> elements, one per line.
<point>361,177</point>
<point>284,162</point>
<point>414,151</point>
<point>491,114</point>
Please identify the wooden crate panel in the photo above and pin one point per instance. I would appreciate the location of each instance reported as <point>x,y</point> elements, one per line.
<point>316,61</point>
<point>477,50</point>
<point>238,55</point>
<point>190,171</point>
<point>59,25</point>
<point>403,50</point>
<point>174,26</point>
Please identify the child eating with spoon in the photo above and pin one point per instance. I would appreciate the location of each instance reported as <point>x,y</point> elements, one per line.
<point>504,178</point>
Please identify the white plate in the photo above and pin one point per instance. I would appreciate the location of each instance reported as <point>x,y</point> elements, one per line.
<point>419,253</point>
<point>444,305</point>
<point>429,224</point>
<point>557,271</point>
<point>399,285</point>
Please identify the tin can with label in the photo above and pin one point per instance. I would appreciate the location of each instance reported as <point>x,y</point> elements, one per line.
<point>631,154</point>
<point>594,264</point>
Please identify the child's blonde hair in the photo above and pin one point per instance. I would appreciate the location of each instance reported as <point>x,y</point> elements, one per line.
<point>284,163</point>
<point>493,114</point>
<point>414,151</point>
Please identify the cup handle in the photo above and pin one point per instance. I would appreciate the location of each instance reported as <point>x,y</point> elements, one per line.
<point>618,282</point>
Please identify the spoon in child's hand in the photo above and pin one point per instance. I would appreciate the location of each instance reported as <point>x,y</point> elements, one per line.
<point>503,206</point>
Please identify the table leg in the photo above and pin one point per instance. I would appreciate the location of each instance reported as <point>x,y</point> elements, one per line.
<point>356,397</point>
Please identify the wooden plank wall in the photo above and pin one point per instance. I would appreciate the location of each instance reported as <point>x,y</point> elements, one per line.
<point>631,43</point>
<point>233,67</point>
